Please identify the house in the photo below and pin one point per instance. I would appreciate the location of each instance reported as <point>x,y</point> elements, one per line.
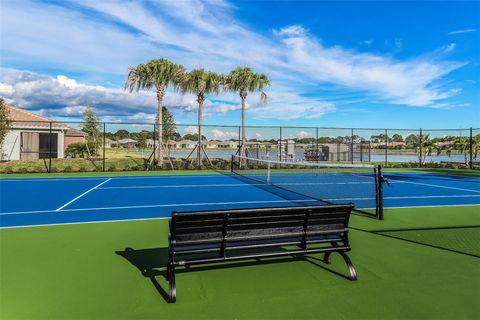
<point>29,136</point>
<point>186,144</point>
<point>126,143</point>
<point>73,136</point>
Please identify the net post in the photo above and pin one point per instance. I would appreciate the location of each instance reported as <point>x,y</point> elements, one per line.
<point>471,148</point>
<point>50,149</point>
<point>380,180</point>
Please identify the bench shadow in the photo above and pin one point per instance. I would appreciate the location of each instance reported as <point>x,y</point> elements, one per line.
<point>152,263</point>
<point>148,262</point>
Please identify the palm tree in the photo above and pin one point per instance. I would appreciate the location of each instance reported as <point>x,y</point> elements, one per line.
<point>244,80</point>
<point>461,144</point>
<point>201,82</point>
<point>158,74</point>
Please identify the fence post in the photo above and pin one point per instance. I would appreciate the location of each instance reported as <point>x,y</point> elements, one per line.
<point>104,144</point>
<point>386,147</point>
<point>420,148</point>
<point>351,146</point>
<point>280,151</point>
<point>154,144</point>
<point>316,142</point>
<point>471,148</point>
<point>50,149</point>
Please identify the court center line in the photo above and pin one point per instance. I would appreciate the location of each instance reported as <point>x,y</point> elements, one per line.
<point>434,185</point>
<point>89,190</point>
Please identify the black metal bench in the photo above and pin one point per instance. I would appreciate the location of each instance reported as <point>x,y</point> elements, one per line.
<point>199,237</point>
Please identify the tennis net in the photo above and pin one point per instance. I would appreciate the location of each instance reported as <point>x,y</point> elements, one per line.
<point>359,184</point>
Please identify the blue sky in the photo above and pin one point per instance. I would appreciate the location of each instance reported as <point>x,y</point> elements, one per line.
<point>334,63</point>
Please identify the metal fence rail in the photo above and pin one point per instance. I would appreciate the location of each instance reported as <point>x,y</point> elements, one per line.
<point>36,146</point>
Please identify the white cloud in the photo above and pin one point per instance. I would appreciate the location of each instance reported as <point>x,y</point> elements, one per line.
<point>225,135</point>
<point>304,134</point>
<point>191,130</point>
<point>462,31</point>
<point>402,82</point>
<point>199,34</point>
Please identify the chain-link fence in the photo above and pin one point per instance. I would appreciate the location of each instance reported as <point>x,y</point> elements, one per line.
<point>35,146</point>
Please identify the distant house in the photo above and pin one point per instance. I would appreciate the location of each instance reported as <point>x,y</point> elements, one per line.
<point>126,143</point>
<point>29,136</point>
<point>215,144</point>
<point>186,144</point>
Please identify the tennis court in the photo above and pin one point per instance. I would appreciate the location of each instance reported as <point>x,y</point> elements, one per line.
<point>28,202</point>
<point>96,248</point>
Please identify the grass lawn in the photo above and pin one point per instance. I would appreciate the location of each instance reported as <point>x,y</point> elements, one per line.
<point>83,272</point>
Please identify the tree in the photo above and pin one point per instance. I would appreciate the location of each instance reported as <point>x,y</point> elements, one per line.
<point>122,134</point>
<point>244,80</point>
<point>462,144</point>
<point>92,126</point>
<point>193,137</point>
<point>158,74</point>
<point>397,137</point>
<point>169,126</point>
<point>201,82</point>
<point>77,149</point>
<point>4,124</point>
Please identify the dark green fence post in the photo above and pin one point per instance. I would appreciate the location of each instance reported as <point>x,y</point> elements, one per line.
<point>351,145</point>
<point>316,142</point>
<point>420,148</point>
<point>104,145</point>
<point>154,145</point>
<point>50,149</point>
<point>280,151</point>
<point>471,148</point>
<point>386,147</point>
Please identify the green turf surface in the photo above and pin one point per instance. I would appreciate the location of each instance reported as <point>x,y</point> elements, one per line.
<point>84,272</point>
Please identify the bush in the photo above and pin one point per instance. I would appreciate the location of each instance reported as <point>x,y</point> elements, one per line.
<point>112,167</point>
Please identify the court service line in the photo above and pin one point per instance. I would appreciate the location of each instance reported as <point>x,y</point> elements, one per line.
<point>434,185</point>
<point>89,190</point>
<point>230,185</point>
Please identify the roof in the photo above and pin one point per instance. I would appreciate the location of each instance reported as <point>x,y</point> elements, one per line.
<point>24,118</point>
<point>74,133</point>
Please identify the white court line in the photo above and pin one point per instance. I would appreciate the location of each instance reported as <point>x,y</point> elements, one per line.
<point>237,202</point>
<point>160,206</point>
<point>89,190</point>
<point>162,218</point>
<point>434,185</point>
<point>230,185</point>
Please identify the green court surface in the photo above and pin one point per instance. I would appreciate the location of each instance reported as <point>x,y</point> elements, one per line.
<point>417,264</point>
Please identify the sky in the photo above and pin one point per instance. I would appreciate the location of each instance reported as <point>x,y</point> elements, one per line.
<point>383,64</point>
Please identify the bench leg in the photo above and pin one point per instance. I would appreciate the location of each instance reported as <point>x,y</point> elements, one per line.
<point>172,289</point>
<point>351,268</point>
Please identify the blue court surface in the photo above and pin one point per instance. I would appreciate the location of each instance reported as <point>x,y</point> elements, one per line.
<point>45,201</point>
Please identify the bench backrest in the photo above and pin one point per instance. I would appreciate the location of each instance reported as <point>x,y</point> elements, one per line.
<point>223,230</point>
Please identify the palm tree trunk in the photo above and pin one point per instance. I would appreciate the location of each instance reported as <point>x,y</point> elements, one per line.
<point>199,146</point>
<point>243,146</point>
<point>159,151</point>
